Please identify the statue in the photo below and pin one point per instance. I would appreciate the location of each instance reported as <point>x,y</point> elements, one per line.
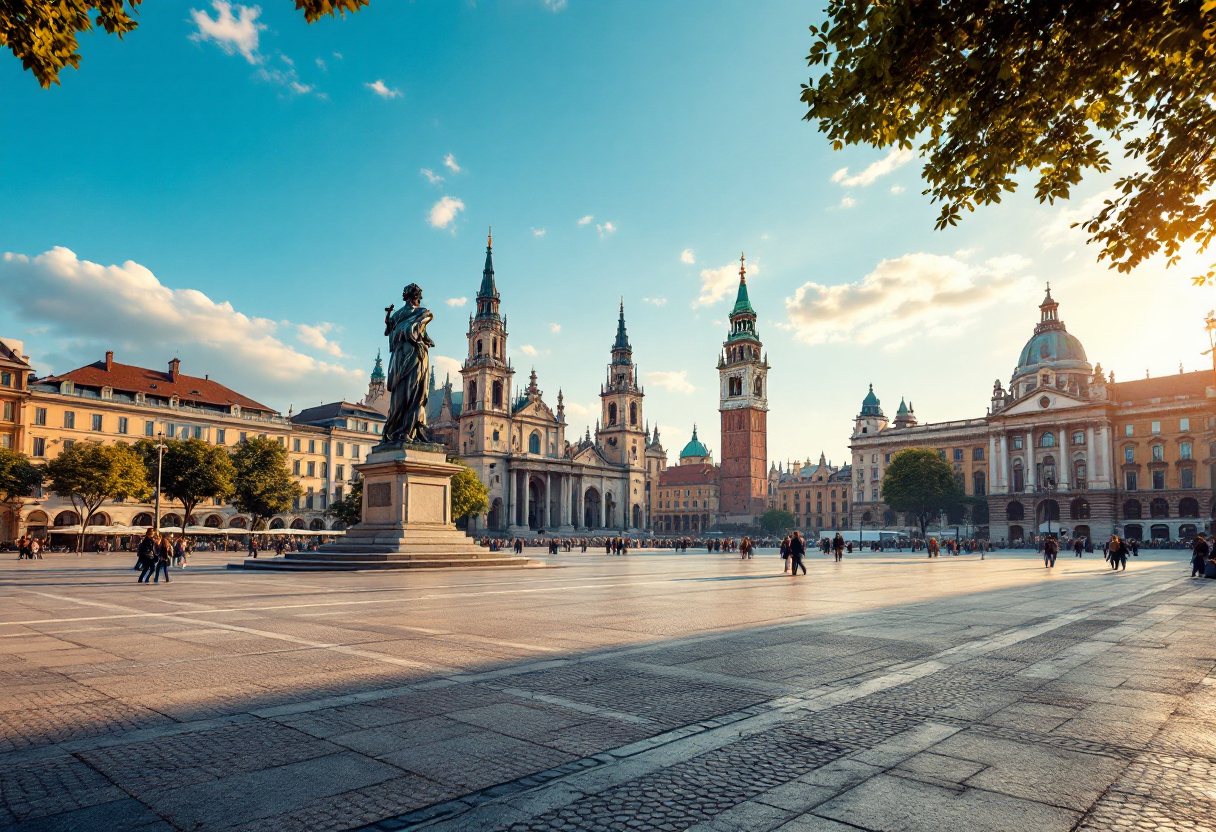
<point>408,367</point>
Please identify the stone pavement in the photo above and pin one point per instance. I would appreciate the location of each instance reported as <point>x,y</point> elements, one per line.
<point>655,691</point>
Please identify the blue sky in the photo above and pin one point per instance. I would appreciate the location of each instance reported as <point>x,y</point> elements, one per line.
<point>247,192</point>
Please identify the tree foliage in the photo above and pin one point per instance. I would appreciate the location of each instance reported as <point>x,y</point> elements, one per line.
<point>192,471</point>
<point>920,483</point>
<point>89,473</point>
<point>43,34</point>
<point>350,508</point>
<point>263,486</point>
<point>469,494</point>
<point>991,88</point>
<point>18,476</point>
<point>775,521</point>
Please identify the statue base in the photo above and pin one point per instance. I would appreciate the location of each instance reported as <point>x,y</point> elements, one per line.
<point>407,521</point>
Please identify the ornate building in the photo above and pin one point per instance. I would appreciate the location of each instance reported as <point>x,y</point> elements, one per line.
<point>743,377</point>
<point>537,478</point>
<point>1065,447</point>
<point>688,493</point>
<point>817,495</point>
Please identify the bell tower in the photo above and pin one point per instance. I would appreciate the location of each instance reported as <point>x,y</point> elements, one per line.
<point>743,375</point>
<point>622,431</point>
<point>486,371</point>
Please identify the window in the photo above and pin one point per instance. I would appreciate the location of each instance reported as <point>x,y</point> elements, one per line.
<point>941,452</point>
<point>339,474</point>
<point>149,428</point>
<point>611,417</point>
<point>1017,443</point>
<point>122,424</point>
<point>295,445</point>
<point>1184,450</point>
<point>1156,427</point>
<point>534,439</point>
<point>324,470</point>
<point>1130,481</point>
<point>295,467</point>
<point>354,451</point>
<point>311,469</point>
<point>977,454</point>
<point>1158,480</point>
<point>1078,437</point>
<point>68,443</point>
<point>1129,454</point>
<point>887,459</point>
<point>40,416</point>
<point>171,431</point>
<point>341,449</point>
<point>6,441</point>
<point>979,484</point>
<point>1188,477</point>
<point>8,412</point>
<point>1158,453</point>
<point>1130,430</point>
<point>198,432</point>
<point>1184,424</point>
<point>6,379</point>
<point>958,454</point>
<point>1019,479</point>
<point>633,413</point>
<point>39,446</point>
<point>1048,441</point>
<point>241,436</point>
<point>312,446</point>
<point>69,419</point>
<point>221,436</point>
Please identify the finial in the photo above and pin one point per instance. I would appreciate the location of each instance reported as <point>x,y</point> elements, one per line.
<point>742,268</point>
<point>490,237</point>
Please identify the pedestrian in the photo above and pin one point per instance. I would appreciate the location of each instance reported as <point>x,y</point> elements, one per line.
<point>253,546</point>
<point>179,553</point>
<point>838,546</point>
<point>23,548</point>
<point>932,547</point>
<point>164,556</point>
<point>1200,550</point>
<point>145,556</point>
<point>785,554</point>
<point>1118,553</point>
<point>1050,549</point>
<point>797,551</point>
<point>1078,546</point>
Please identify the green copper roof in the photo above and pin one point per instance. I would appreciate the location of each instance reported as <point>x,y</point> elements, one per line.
<point>622,338</point>
<point>903,408</point>
<point>743,304</point>
<point>694,446</point>
<point>378,370</point>
<point>488,289</point>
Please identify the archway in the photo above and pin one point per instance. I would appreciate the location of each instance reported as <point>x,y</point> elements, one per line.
<point>67,518</point>
<point>1131,510</point>
<point>277,523</point>
<point>866,517</point>
<point>1081,532</point>
<point>298,523</point>
<point>213,521</point>
<point>238,522</point>
<point>637,517</point>
<point>171,520</point>
<point>317,524</point>
<point>1159,531</point>
<point>609,511</point>
<point>494,517</point>
<point>1016,533</point>
<point>1133,531</point>
<point>1078,509</point>
<point>99,519</point>
<point>338,526</point>
<point>1188,507</point>
<point>142,519</point>
<point>536,503</point>
<point>1159,508</point>
<point>591,509</point>
<point>1187,531</point>
<point>1015,511</point>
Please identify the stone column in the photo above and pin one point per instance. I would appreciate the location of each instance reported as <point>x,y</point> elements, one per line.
<point>994,471</point>
<point>1063,476</point>
<point>1006,482</point>
<point>527,479</point>
<point>1028,445</point>
<point>548,501</point>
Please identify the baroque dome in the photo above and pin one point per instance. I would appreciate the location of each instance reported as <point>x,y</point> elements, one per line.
<point>1052,348</point>
<point>694,448</point>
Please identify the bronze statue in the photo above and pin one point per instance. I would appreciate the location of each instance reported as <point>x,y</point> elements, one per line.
<point>408,368</point>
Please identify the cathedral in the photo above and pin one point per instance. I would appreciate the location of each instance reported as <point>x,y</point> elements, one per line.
<point>539,478</point>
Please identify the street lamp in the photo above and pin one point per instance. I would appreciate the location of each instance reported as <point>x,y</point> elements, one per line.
<point>160,458</point>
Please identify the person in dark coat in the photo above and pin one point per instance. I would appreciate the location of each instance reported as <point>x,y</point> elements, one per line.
<point>797,552</point>
<point>145,556</point>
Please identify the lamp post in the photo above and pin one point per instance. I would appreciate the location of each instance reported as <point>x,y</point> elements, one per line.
<point>160,458</point>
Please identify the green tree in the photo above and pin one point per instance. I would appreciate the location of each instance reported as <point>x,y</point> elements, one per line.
<point>920,483</point>
<point>775,521</point>
<point>18,476</point>
<point>191,472</point>
<point>42,34</point>
<point>992,89</point>
<point>263,486</point>
<point>89,473</point>
<point>350,508</point>
<point>469,495</point>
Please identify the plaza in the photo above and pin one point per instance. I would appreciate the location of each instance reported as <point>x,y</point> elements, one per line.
<point>651,691</point>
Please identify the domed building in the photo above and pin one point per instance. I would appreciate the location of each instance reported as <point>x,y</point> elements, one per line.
<point>1063,450</point>
<point>688,494</point>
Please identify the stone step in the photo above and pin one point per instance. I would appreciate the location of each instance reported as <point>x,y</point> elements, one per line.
<point>395,554</point>
<point>283,564</point>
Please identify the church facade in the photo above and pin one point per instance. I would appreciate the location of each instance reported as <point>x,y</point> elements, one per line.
<point>541,479</point>
<point>1065,448</point>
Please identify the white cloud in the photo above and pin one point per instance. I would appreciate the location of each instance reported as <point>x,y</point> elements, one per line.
<point>446,367</point>
<point>457,302</point>
<point>431,176</point>
<point>585,220</point>
<point>315,337</point>
<point>554,5</point>
<point>91,308</point>
<point>686,256</point>
<point>286,59</point>
<point>555,328</point>
<point>321,65</point>
<point>444,212</point>
<point>673,381</point>
<point>605,229</point>
<point>921,294</point>
<point>338,55</point>
<point>897,189</point>
<point>718,283</point>
<point>449,162</point>
<point>847,202</point>
<point>538,232</point>
<point>1059,229</point>
<point>288,80</point>
<point>379,88</point>
<point>895,158</point>
<point>655,301</point>
<point>232,33</point>
<point>528,349</point>
<point>574,410</point>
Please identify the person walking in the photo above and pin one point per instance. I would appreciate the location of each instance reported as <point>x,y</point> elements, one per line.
<point>179,552</point>
<point>797,551</point>
<point>145,556</point>
<point>23,548</point>
<point>253,546</point>
<point>1118,553</point>
<point>932,547</point>
<point>1078,546</point>
<point>1050,549</point>
<point>164,556</point>
<point>1200,550</point>
<point>838,546</point>
<point>785,554</point>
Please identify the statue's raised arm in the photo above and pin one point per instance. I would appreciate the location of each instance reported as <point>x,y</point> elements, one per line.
<point>408,368</point>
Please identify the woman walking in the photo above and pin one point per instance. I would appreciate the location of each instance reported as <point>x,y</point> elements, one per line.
<point>797,550</point>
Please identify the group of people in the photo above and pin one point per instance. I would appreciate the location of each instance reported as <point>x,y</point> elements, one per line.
<point>156,552</point>
<point>29,548</point>
<point>1203,556</point>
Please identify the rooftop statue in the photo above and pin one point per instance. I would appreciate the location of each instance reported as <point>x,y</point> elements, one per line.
<point>408,368</point>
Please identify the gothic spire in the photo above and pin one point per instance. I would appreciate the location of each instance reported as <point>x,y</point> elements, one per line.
<point>622,353</point>
<point>487,295</point>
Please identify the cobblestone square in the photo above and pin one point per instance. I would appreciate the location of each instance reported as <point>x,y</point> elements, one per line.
<point>649,692</point>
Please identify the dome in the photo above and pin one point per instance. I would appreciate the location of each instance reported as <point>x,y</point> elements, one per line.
<point>694,448</point>
<point>1051,348</point>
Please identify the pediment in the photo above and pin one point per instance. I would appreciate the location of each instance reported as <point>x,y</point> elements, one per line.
<point>536,410</point>
<point>590,454</point>
<point>1046,400</point>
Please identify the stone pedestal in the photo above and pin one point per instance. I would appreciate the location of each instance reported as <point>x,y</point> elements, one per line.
<point>407,523</point>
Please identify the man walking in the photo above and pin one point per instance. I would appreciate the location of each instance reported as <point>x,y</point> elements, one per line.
<point>797,551</point>
<point>1199,555</point>
<point>146,556</point>
<point>1050,549</point>
<point>838,547</point>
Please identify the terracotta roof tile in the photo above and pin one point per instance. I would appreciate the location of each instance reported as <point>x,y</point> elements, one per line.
<point>1165,387</point>
<point>698,474</point>
<point>129,379</point>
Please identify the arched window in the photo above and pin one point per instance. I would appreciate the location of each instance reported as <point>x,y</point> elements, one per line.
<point>473,395</point>
<point>1078,509</point>
<point>759,386</point>
<point>497,394</point>
<point>479,346</point>
<point>633,413</point>
<point>979,484</point>
<point>67,518</point>
<point>734,386</point>
<point>534,443</point>
<point>324,470</point>
<point>612,413</point>
<point>1159,508</point>
<point>316,524</point>
<point>494,347</point>
<point>298,523</point>
<point>1019,476</point>
<point>1188,507</point>
<point>277,523</point>
<point>1048,440</point>
<point>1015,511</point>
<point>1131,510</point>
